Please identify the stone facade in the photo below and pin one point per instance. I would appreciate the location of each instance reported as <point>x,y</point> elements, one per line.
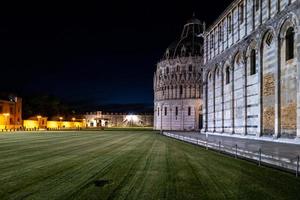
<point>102,119</point>
<point>178,82</point>
<point>252,69</point>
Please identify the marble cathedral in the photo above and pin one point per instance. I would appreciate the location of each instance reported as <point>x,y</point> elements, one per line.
<point>240,76</point>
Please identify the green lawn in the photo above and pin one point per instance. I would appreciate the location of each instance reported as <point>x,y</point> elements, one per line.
<point>129,165</point>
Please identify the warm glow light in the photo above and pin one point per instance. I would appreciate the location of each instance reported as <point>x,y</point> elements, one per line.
<point>61,118</point>
<point>6,114</point>
<point>73,119</point>
<point>39,116</point>
<point>132,118</point>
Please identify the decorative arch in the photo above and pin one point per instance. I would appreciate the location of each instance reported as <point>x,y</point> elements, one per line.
<point>264,35</point>
<point>252,58</point>
<point>288,76</point>
<point>290,20</point>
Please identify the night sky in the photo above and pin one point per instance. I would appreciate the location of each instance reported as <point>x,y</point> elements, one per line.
<point>95,53</point>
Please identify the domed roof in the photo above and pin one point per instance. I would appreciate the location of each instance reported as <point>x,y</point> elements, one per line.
<point>190,43</point>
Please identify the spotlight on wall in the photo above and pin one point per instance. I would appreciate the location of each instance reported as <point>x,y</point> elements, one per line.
<point>132,118</point>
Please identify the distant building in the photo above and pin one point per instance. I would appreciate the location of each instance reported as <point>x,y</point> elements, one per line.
<point>11,113</point>
<point>101,119</point>
<point>40,122</point>
<point>178,82</point>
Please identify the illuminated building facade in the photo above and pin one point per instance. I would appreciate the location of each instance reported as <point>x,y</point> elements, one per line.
<point>11,113</point>
<point>178,82</point>
<point>252,70</point>
<point>40,123</point>
<point>101,119</point>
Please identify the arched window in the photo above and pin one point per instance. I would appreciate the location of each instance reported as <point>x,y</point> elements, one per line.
<point>180,90</point>
<point>227,75</point>
<point>253,62</point>
<point>289,39</point>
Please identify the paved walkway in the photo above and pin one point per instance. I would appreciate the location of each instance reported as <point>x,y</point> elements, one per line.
<point>279,149</point>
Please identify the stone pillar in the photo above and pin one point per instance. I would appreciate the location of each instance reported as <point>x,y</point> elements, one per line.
<point>232,99</point>
<point>204,111</point>
<point>171,120</point>
<point>245,95</point>
<point>161,118</point>
<point>222,94</point>
<point>182,116</point>
<point>214,102</point>
<point>260,71</point>
<point>277,90</point>
<point>297,53</point>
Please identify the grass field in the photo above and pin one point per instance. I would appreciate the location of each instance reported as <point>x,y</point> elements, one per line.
<point>129,165</point>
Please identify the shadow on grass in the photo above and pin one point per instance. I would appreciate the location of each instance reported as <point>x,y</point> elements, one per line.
<point>101,183</point>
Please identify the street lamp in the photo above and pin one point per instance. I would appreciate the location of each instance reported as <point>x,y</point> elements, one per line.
<point>60,119</point>
<point>73,119</point>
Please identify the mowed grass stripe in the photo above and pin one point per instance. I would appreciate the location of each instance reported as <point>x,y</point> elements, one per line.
<point>59,154</point>
<point>41,155</point>
<point>81,173</point>
<point>229,176</point>
<point>32,141</point>
<point>136,169</point>
<point>138,165</point>
<point>154,174</point>
<point>33,150</point>
<point>121,164</point>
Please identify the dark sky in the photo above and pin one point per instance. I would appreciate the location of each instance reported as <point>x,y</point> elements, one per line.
<point>98,53</point>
